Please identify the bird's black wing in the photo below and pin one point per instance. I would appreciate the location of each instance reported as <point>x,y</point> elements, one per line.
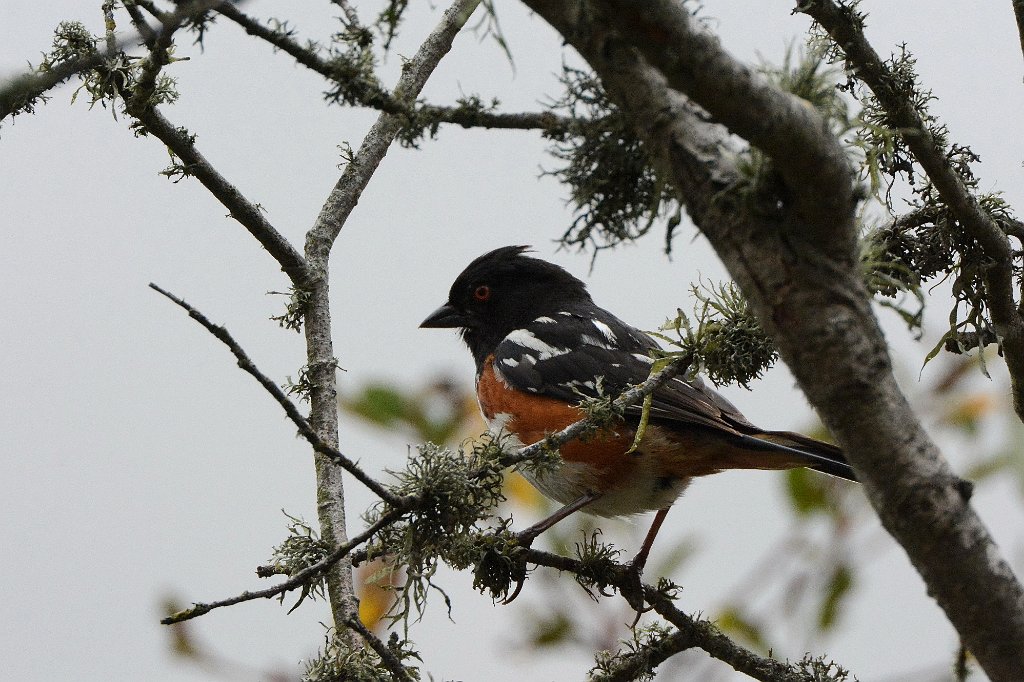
<point>570,355</point>
<point>573,355</point>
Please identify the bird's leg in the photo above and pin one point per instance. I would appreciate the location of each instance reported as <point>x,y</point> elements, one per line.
<point>634,592</point>
<point>526,537</point>
<point>640,560</point>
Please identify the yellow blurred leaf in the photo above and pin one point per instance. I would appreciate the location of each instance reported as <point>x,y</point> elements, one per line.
<point>519,491</point>
<point>374,588</point>
<point>968,411</point>
<point>731,621</point>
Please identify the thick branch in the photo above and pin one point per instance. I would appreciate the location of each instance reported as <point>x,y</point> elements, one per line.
<point>812,301</point>
<point>1018,12</point>
<point>813,165</point>
<point>843,26</point>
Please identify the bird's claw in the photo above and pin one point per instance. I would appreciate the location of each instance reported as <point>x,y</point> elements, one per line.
<point>524,540</point>
<point>632,589</point>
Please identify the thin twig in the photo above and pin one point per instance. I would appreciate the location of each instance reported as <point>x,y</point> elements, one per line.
<point>15,92</point>
<point>109,26</point>
<point>350,13</point>
<point>378,98</point>
<point>298,580</point>
<point>387,656</point>
<point>140,23</point>
<point>289,407</point>
<point>250,215</point>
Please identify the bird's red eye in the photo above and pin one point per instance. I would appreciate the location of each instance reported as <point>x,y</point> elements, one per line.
<point>482,292</point>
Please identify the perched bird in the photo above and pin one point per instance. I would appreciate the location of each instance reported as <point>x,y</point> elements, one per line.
<point>541,344</point>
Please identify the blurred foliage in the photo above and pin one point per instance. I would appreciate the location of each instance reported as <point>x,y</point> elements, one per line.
<point>439,412</point>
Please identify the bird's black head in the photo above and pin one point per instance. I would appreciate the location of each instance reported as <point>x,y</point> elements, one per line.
<point>502,291</point>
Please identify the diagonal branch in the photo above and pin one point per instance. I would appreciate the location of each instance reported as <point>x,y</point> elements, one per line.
<point>812,300</point>
<point>387,656</point>
<point>250,215</point>
<point>692,632</point>
<point>811,161</point>
<point>580,428</point>
<point>846,29</point>
<point>289,407</point>
<point>300,579</point>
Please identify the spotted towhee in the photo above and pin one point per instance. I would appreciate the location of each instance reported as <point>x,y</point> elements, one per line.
<point>541,344</point>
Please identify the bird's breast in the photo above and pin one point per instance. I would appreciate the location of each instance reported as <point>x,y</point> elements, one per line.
<point>629,483</point>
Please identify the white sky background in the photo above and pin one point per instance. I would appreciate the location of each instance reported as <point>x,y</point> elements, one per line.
<point>138,461</point>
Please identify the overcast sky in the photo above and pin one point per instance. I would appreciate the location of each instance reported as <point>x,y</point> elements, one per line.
<point>140,464</point>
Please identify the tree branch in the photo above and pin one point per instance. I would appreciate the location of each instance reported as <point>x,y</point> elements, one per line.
<point>16,92</point>
<point>250,215</point>
<point>636,664</point>
<point>1018,13</point>
<point>810,297</point>
<point>846,29</point>
<point>692,632</point>
<point>320,239</point>
<point>289,407</point>
<point>811,161</point>
<point>300,579</point>
<point>378,98</point>
<point>580,428</point>
<point>387,656</point>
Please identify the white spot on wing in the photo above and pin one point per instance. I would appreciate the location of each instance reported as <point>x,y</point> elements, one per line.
<point>545,320</point>
<point>589,340</point>
<point>605,330</point>
<point>574,383</point>
<point>566,313</point>
<point>511,362</point>
<point>499,376</point>
<point>647,359</point>
<point>526,339</point>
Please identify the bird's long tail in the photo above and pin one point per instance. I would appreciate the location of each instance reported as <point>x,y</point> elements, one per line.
<point>804,451</point>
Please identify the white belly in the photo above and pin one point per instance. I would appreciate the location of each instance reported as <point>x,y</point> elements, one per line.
<point>645,490</point>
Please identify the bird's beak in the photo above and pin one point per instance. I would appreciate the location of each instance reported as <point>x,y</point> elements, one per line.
<point>447,316</point>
